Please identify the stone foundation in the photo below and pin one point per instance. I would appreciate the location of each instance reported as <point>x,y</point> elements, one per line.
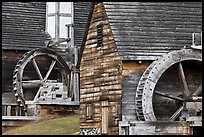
<point>90,131</point>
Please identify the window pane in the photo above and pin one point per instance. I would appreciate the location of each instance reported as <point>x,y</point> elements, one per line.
<point>51,7</point>
<point>65,7</point>
<point>63,28</point>
<point>51,26</point>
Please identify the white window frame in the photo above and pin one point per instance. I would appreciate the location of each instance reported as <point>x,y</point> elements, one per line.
<point>56,14</point>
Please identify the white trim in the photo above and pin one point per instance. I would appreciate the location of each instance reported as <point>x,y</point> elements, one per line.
<point>57,21</point>
<point>72,22</point>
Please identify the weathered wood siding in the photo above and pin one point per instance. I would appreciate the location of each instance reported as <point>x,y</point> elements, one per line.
<point>100,74</point>
<point>132,71</point>
<point>9,60</point>
<point>145,30</point>
<point>23,25</point>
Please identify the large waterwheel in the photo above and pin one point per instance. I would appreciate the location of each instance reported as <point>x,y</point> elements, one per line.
<point>168,85</point>
<point>38,68</point>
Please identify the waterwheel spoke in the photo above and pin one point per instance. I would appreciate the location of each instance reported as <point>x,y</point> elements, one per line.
<point>176,114</point>
<point>198,90</point>
<point>32,83</point>
<point>22,81</point>
<point>168,96</point>
<point>50,69</point>
<point>183,79</point>
<point>37,69</point>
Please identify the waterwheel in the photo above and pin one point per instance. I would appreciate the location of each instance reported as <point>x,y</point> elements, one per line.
<point>37,68</point>
<point>168,84</point>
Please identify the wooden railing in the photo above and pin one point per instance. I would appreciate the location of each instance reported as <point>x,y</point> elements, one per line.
<point>12,109</point>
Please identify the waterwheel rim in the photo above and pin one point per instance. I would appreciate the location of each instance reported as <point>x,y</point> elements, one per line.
<point>31,58</point>
<point>147,86</point>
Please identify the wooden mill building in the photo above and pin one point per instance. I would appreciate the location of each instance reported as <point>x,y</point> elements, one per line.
<point>121,40</point>
<point>23,29</point>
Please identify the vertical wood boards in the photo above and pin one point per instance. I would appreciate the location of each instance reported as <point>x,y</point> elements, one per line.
<point>132,71</point>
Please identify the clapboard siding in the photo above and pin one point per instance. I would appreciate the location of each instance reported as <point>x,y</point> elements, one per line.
<point>23,25</point>
<point>147,26</point>
<point>100,74</point>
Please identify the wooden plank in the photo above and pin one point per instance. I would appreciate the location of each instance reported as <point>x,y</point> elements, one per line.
<point>18,118</point>
<point>8,110</point>
<point>104,114</point>
<point>89,125</point>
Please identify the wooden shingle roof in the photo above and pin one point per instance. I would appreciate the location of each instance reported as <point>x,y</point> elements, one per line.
<point>23,25</point>
<point>144,30</point>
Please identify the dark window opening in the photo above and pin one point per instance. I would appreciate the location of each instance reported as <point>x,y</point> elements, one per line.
<point>100,35</point>
<point>58,95</point>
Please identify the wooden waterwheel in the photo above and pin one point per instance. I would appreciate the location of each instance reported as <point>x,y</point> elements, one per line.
<point>168,84</point>
<point>37,68</point>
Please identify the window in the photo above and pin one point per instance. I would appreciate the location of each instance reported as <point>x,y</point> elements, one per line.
<point>59,20</point>
<point>89,111</point>
<point>100,35</point>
